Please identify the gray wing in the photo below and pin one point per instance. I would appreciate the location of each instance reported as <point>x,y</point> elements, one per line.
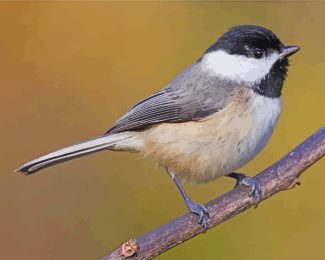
<point>157,108</point>
<point>193,95</point>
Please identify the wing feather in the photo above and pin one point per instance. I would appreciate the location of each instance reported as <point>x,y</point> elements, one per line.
<point>160,107</point>
<point>192,95</point>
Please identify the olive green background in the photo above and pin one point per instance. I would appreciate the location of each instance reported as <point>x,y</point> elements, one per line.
<point>68,70</point>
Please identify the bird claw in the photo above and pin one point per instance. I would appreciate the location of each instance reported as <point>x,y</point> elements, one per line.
<point>199,210</point>
<point>242,179</point>
<point>256,191</point>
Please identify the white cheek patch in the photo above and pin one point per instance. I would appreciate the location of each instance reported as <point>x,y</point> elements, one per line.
<point>238,68</point>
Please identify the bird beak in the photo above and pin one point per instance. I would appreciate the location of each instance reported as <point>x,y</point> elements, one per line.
<point>288,51</point>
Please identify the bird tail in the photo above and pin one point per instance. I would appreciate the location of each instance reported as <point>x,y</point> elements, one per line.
<point>87,147</point>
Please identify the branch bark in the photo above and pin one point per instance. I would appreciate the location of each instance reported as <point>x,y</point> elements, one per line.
<point>281,176</point>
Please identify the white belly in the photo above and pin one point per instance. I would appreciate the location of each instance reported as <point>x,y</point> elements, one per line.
<point>201,151</point>
<point>265,116</point>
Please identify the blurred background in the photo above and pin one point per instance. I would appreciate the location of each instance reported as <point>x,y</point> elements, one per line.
<point>68,70</point>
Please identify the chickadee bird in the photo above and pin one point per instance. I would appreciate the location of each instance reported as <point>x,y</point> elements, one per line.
<point>212,119</point>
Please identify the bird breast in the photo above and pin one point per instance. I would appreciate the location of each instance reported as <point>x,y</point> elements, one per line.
<point>200,151</point>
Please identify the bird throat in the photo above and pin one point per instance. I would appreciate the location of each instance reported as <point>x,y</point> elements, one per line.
<point>271,85</point>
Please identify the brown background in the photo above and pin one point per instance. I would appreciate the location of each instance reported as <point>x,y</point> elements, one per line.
<point>69,70</point>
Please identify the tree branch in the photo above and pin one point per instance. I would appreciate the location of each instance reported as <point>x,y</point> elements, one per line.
<point>282,175</point>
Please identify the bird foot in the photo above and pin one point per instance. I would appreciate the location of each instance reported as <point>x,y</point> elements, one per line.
<point>250,182</point>
<point>199,210</point>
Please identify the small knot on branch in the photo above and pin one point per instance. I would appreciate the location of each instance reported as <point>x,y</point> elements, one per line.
<point>294,183</point>
<point>129,248</point>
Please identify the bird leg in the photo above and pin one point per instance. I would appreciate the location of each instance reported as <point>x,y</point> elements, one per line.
<point>192,206</point>
<point>242,179</point>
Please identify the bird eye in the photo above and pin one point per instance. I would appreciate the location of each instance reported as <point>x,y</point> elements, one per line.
<point>258,53</point>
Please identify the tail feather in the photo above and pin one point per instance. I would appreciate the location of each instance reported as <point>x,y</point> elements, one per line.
<point>87,147</point>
